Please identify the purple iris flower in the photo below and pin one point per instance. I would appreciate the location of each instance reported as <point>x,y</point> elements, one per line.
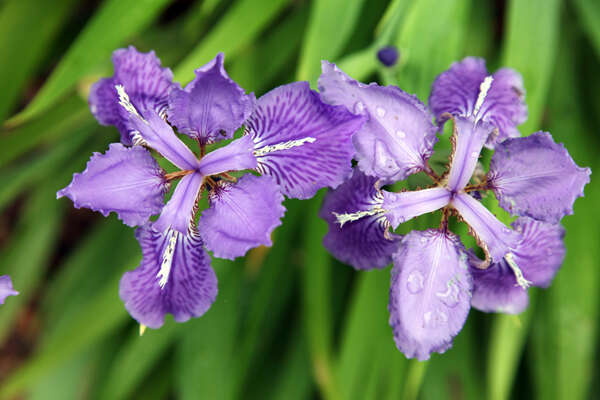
<point>294,143</point>
<point>435,280</point>
<point>6,288</point>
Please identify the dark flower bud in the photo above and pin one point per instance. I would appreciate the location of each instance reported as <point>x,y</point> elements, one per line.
<point>388,55</point>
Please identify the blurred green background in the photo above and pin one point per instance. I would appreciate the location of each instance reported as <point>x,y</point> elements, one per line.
<point>289,322</point>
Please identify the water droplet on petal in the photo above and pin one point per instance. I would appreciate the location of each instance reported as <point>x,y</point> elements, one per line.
<point>380,112</point>
<point>400,134</point>
<point>434,319</point>
<point>474,154</point>
<point>359,107</point>
<point>450,296</point>
<point>415,282</point>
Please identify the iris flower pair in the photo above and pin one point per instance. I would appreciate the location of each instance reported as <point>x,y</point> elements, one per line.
<point>292,145</point>
<point>435,279</point>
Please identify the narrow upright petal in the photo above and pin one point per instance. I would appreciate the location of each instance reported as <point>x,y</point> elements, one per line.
<point>465,90</point>
<point>174,277</point>
<point>236,156</point>
<point>493,236</point>
<point>468,139</point>
<point>302,142</point>
<point>495,288</point>
<point>146,82</point>
<point>125,180</point>
<point>241,216</point>
<point>536,177</point>
<point>363,243</point>
<point>212,106</point>
<point>398,137</point>
<point>179,211</point>
<point>400,207</point>
<point>154,132</point>
<point>6,288</point>
<point>430,293</point>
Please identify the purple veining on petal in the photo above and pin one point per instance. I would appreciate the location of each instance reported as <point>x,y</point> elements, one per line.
<point>400,207</point>
<point>191,287</point>
<point>430,293</point>
<point>504,106</point>
<point>236,156</point>
<point>6,288</point>
<point>468,140</point>
<point>541,251</point>
<point>241,216</point>
<point>125,180</point>
<point>457,90</point>
<point>363,243</point>
<point>495,288</point>
<point>178,213</point>
<point>144,80</point>
<point>302,142</point>
<point>536,177</point>
<point>157,134</point>
<point>212,106</point>
<point>492,235</point>
<point>398,137</point>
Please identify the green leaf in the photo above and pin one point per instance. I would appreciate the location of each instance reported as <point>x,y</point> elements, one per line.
<point>589,14</point>
<point>27,30</point>
<point>101,315</point>
<point>30,172</point>
<point>532,34</point>
<point>235,30</point>
<point>136,358</point>
<point>330,25</point>
<point>27,255</point>
<point>113,24</point>
<point>205,365</point>
<point>66,118</point>
<point>427,44</point>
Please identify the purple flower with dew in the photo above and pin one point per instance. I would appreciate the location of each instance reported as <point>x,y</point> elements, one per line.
<point>294,143</point>
<point>435,280</point>
<point>6,288</point>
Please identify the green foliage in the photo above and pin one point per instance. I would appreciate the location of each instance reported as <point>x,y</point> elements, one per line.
<point>290,322</point>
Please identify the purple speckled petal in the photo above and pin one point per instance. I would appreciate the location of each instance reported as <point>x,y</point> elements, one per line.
<point>125,180</point>
<point>456,92</point>
<point>468,139</point>
<point>241,216</point>
<point>236,156</point>
<point>397,138</point>
<point>212,106</point>
<point>302,142</point>
<point>362,243</point>
<point>178,213</point>
<point>400,207</point>
<point>495,288</point>
<point>157,134</point>
<point>6,288</point>
<point>191,285</point>
<point>493,236</point>
<point>536,177</point>
<point>430,293</point>
<point>144,80</point>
